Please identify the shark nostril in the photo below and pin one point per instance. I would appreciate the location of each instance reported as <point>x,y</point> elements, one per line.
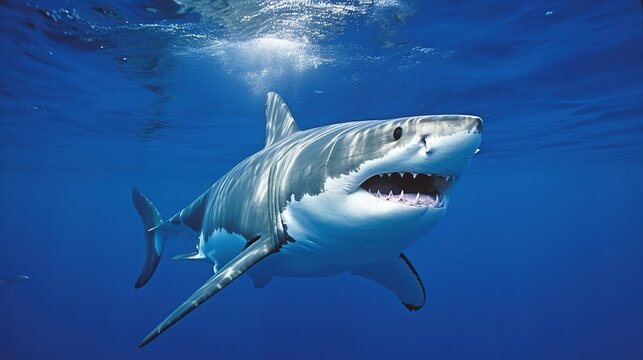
<point>425,145</point>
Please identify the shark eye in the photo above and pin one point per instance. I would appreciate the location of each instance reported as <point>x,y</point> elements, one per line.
<point>397,133</point>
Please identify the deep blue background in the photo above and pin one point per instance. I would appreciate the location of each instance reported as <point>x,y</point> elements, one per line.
<point>540,255</point>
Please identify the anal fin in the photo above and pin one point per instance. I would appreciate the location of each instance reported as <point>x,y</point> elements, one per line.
<point>399,276</point>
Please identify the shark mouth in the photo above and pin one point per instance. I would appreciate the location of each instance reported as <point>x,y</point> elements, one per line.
<point>410,189</point>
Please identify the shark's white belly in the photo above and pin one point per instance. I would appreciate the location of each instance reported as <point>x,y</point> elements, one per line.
<point>222,246</point>
<point>333,231</point>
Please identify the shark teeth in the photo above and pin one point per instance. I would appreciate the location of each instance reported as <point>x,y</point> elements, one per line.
<point>410,188</point>
<point>413,199</point>
<point>414,175</point>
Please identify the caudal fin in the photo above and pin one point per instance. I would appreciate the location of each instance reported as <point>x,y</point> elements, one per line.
<point>151,219</point>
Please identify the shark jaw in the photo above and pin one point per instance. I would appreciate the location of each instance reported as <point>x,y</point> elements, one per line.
<point>410,188</point>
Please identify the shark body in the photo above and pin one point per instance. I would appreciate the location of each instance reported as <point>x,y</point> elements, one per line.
<point>347,197</point>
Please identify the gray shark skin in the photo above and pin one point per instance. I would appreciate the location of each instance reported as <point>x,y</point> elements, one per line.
<point>347,197</point>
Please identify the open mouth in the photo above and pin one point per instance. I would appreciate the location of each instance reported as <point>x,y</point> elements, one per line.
<point>410,189</point>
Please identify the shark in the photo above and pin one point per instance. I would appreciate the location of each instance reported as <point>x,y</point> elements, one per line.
<point>344,198</point>
<point>14,280</point>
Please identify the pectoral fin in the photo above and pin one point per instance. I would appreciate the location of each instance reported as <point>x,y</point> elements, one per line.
<point>400,277</point>
<point>237,266</point>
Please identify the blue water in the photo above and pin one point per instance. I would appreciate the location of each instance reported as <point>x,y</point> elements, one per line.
<point>540,255</point>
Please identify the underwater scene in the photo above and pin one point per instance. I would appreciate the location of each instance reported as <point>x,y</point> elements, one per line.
<point>317,179</point>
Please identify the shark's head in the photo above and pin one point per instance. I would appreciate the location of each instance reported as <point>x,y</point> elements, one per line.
<point>413,162</point>
<point>387,182</point>
<point>405,169</point>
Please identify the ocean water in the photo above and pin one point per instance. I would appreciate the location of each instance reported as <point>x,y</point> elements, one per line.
<point>540,254</point>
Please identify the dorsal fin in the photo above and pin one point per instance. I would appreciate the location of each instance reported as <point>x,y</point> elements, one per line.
<point>279,121</point>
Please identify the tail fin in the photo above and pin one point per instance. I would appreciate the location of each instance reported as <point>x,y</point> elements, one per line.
<point>151,218</point>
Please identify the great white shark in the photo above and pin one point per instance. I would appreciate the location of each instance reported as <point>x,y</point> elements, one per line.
<point>347,197</point>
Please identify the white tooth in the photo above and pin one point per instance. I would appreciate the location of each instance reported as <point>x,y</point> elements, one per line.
<point>437,199</point>
<point>417,199</point>
<point>381,175</point>
<point>401,174</point>
<point>390,195</point>
<point>378,194</point>
<point>414,175</point>
<point>369,191</point>
<point>401,196</point>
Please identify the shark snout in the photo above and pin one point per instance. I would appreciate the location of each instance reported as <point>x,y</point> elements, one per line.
<point>448,142</point>
<point>436,128</point>
<point>475,123</point>
<point>443,125</point>
<point>459,123</point>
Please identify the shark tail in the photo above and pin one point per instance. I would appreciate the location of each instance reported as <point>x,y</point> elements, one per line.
<point>154,241</point>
